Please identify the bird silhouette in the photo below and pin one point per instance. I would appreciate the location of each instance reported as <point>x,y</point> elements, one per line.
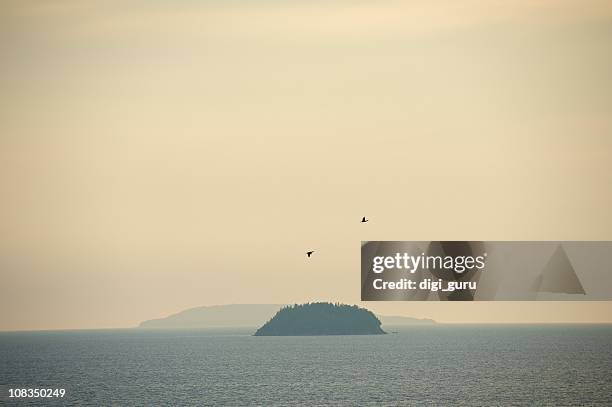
<point>310,252</point>
<point>364,220</point>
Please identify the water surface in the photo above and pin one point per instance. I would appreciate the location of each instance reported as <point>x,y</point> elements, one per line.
<point>556,365</point>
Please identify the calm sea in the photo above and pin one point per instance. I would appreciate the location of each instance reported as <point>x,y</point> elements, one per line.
<point>556,365</point>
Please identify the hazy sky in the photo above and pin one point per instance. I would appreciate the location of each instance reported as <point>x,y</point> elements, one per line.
<point>159,155</point>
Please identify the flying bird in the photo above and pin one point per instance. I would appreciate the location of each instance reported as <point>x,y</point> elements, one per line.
<point>364,220</point>
<point>310,252</point>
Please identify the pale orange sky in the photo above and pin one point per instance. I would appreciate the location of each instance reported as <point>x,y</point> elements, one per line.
<point>156,156</point>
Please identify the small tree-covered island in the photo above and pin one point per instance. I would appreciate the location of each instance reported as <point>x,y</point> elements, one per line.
<point>321,318</point>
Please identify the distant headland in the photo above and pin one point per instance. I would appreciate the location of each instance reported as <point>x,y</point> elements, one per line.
<point>245,316</point>
<point>216,316</point>
<point>321,318</point>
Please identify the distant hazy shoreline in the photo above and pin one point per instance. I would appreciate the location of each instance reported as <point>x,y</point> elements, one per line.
<point>253,327</point>
<point>243,315</point>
